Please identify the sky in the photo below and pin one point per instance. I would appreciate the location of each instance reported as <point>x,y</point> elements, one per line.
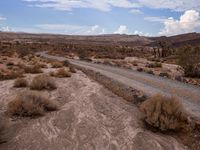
<point>94,17</point>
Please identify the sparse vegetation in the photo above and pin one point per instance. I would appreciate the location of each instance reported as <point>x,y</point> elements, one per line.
<point>72,69</point>
<point>56,64</point>
<point>10,75</point>
<point>189,59</point>
<point>61,73</point>
<point>31,103</point>
<point>43,82</point>
<point>165,113</point>
<point>20,82</point>
<point>154,65</point>
<point>34,69</point>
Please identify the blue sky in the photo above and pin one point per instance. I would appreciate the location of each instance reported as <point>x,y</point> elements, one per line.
<point>92,17</point>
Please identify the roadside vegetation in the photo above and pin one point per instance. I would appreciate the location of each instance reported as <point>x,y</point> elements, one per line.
<point>30,104</point>
<point>189,59</point>
<point>165,113</point>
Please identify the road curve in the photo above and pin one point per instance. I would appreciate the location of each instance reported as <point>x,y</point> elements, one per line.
<point>149,84</point>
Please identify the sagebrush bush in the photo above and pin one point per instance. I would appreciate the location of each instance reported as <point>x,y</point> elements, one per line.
<point>56,64</point>
<point>165,113</point>
<point>72,69</point>
<point>10,75</point>
<point>30,104</point>
<point>189,60</point>
<point>43,82</point>
<point>34,69</point>
<point>20,82</point>
<point>154,65</point>
<point>61,73</point>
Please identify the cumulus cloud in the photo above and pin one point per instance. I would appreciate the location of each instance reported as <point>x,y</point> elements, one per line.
<point>95,30</point>
<point>188,22</point>
<point>121,30</point>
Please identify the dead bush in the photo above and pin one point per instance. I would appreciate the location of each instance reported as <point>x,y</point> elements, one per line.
<point>72,69</point>
<point>31,103</point>
<point>56,64</point>
<point>66,63</point>
<point>165,113</point>
<point>61,73</point>
<point>20,82</point>
<point>42,82</point>
<point>189,59</point>
<point>154,65</point>
<point>10,75</point>
<point>34,69</point>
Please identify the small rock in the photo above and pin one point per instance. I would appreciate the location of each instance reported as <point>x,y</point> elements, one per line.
<point>140,69</point>
<point>164,74</point>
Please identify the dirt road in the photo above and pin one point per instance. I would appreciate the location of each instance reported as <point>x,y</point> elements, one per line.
<point>149,84</point>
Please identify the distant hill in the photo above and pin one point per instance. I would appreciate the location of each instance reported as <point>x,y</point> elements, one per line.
<point>130,40</point>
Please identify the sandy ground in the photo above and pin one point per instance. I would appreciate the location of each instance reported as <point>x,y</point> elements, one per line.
<point>90,118</point>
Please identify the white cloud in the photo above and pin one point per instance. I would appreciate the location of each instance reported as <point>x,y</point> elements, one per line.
<point>136,32</point>
<point>155,19</point>
<point>5,29</point>
<point>136,11</point>
<point>121,30</point>
<point>95,30</point>
<point>103,5</point>
<point>2,18</point>
<point>175,5</point>
<point>106,5</point>
<point>188,22</point>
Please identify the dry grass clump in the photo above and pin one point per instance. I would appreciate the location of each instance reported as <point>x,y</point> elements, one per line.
<point>154,65</point>
<point>20,82</point>
<point>29,104</point>
<point>11,74</point>
<point>72,69</point>
<point>34,69</point>
<point>61,73</point>
<point>42,82</point>
<point>165,113</point>
<point>56,64</point>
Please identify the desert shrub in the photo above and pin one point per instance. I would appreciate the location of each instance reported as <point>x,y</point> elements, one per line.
<point>140,69</point>
<point>10,75</point>
<point>189,60</point>
<point>34,69</point>
<point>56,64</point>
<point>20,82</point>
<point>10,64</point>
<point>61,73</point>
<point>72,69</point>
<point>165,113</point>
<point>154,65</point>
<point>43,82</point>
<point>66,63</point>
<point>30,104</point>
<point>42,65</point>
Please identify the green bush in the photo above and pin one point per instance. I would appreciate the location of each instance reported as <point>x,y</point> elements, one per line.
<point>189,59</point>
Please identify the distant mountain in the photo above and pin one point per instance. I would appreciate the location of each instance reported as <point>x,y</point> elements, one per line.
<point>130,40</point>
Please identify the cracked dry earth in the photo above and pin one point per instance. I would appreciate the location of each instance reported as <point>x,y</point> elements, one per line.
<point>90,118</point>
